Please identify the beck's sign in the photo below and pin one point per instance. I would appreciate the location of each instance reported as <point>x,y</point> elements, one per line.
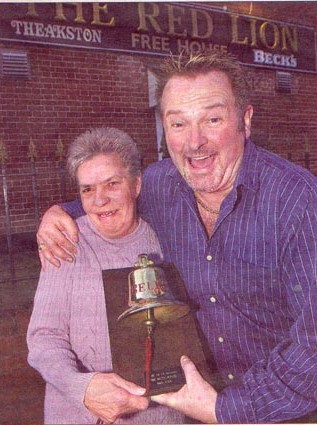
<point>160,28</point>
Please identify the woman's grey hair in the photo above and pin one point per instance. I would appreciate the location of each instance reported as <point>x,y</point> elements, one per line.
<point>104,140</point>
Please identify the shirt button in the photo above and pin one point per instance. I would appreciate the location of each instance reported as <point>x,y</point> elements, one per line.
<point>220,339</point>
<point>230,376</point>
<point>212,299</point>
<point>209,257</point>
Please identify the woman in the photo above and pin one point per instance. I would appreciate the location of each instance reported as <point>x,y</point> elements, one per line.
<point>68,337</point>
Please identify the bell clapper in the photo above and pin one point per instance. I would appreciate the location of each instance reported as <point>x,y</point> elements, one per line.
<point>149,345</point>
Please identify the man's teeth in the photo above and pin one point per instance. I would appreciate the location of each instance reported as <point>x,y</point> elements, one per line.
<point>199,158</point>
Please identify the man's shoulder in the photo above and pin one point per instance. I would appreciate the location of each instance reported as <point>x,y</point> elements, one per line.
<point>272,165</point>
<point>158,176</point>
<point>164,167</point>
<point>158,182</point>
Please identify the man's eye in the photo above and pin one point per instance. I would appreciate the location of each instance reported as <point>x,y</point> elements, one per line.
<point>86,190</point>
<point>214,120</point>
<point>177,124</point>
<point>113,184</point>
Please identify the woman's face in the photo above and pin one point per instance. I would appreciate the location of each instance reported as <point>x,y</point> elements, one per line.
<point>108,194</point>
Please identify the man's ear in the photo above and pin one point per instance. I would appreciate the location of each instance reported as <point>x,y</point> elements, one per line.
<point>138,183</point>
<point>247,120</point>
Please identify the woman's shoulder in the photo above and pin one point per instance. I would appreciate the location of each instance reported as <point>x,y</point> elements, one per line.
<point>151,241</point>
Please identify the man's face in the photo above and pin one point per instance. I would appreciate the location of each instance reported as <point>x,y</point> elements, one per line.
<point>108,194</point>
<point>203,131</point>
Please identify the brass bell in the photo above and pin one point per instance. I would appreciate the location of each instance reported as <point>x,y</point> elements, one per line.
<point>149,289</point>
<point>150,302</point>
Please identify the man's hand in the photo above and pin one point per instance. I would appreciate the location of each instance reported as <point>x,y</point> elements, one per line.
<point>52,242</point>
<point>196,398</point>
<point>108,396</point>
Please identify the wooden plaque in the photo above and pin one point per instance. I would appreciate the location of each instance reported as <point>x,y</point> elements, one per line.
<point>171,340</point>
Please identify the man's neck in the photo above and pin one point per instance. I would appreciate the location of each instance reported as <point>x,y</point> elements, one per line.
<point>209,204</point>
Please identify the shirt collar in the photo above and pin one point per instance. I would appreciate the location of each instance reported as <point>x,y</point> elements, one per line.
<point>178,178</point>
<point>248,175</point>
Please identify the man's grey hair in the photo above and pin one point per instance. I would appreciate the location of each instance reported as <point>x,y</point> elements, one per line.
<point>195,64</point>
<point>104,140</point>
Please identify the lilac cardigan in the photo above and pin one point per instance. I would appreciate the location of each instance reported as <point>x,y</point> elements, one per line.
<point>68,337</point>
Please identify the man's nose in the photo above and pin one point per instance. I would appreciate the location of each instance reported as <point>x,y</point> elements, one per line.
<point>197,138</point>
<point>101,197</point>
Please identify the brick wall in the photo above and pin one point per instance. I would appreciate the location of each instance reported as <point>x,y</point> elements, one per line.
<point>71,90</point>
<point>68,92</point>
<point>286,123</point>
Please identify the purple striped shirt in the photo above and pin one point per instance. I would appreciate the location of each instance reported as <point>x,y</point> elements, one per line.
<point>254,280</point>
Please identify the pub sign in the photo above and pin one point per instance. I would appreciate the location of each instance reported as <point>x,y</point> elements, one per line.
<point>160,28</point>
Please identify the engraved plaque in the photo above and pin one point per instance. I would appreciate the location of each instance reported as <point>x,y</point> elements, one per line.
<point>171,339</point>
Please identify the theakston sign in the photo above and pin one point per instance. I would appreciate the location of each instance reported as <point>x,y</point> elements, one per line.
<point>160,28</point>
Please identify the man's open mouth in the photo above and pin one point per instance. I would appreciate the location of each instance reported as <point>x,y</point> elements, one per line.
<point>202,161</point>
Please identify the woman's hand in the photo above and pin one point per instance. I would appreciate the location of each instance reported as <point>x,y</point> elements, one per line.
<point>108,396</point>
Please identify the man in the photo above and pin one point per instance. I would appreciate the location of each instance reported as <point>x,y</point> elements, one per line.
<point>240,225</point>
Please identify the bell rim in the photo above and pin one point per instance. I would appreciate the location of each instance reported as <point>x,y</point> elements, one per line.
<point>153,304</point>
